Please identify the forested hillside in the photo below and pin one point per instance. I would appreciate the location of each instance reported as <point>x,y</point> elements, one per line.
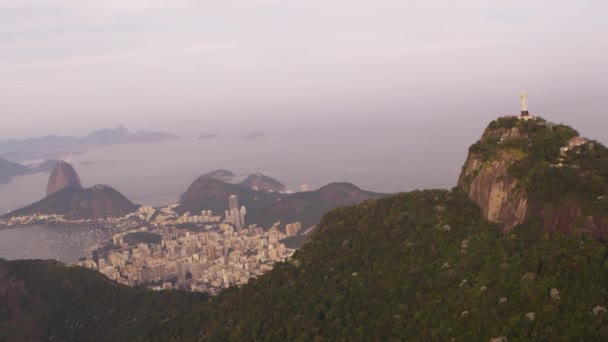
<point>416,266</point>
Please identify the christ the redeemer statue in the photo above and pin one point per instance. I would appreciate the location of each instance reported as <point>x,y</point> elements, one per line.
<point>524,104</point>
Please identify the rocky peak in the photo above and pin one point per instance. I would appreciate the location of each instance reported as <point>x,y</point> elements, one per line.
<point>223,175</point>
<point>521,170</point>
<point>63,176</point>
<point>260,182</point>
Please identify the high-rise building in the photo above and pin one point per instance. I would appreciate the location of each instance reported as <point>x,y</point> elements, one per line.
<point>235,214</point>
<point>233,202</point>
<point>242,214</point>
<point>236,218</point>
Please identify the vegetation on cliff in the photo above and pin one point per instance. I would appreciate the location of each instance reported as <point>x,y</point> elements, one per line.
<point>553,163</point>
<point>46,300</point>
<point>416,266</point>
<point>423,265</point>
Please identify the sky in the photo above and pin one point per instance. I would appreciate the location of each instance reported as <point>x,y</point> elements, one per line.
<point>68,67</point>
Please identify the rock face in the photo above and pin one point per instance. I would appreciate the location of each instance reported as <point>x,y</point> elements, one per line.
<point>512,172</point>
<point>63,176</point>
<point>260,182</point>
<point>500,196</point>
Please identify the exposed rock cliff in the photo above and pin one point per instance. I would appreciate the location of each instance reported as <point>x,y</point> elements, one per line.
<point>63,176</point>
<point>522,170</point>
<point>499,195</point>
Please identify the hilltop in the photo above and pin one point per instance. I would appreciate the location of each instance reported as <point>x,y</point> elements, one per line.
<point>223,175</point>
<point>533,169</point>
<point>260,182</point>
<point>63,176</point>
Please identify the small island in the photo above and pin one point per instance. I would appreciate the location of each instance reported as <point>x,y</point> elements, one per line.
<point>254,136</point>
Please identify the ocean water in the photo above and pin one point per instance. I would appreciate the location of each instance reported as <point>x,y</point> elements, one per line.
<point>62,243</point>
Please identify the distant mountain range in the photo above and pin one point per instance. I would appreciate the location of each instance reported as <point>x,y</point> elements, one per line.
<point>260,194</point>
<point>9,169</point>
<point>267,207</point>
<point>54,146</point>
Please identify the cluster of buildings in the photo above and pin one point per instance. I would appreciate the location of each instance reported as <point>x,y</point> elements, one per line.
<point>293,229</point>
<point>235,214</point>
<point>54,219</point>
<point>206,216</point>
<point>161,249</point>
<point>33,219</point>
<point>207,256</point>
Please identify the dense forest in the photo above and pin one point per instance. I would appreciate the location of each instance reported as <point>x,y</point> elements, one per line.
<point>415,266</point>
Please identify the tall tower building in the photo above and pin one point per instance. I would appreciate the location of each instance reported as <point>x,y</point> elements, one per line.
<point>233,202</point>
<point>235,213</point>
<point>242,214</point>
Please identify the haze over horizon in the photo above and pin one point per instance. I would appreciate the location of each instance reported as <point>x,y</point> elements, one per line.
<point>307,170</point>
<point>185,66</point>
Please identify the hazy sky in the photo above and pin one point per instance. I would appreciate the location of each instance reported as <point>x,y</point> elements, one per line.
<point>70,66</point>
